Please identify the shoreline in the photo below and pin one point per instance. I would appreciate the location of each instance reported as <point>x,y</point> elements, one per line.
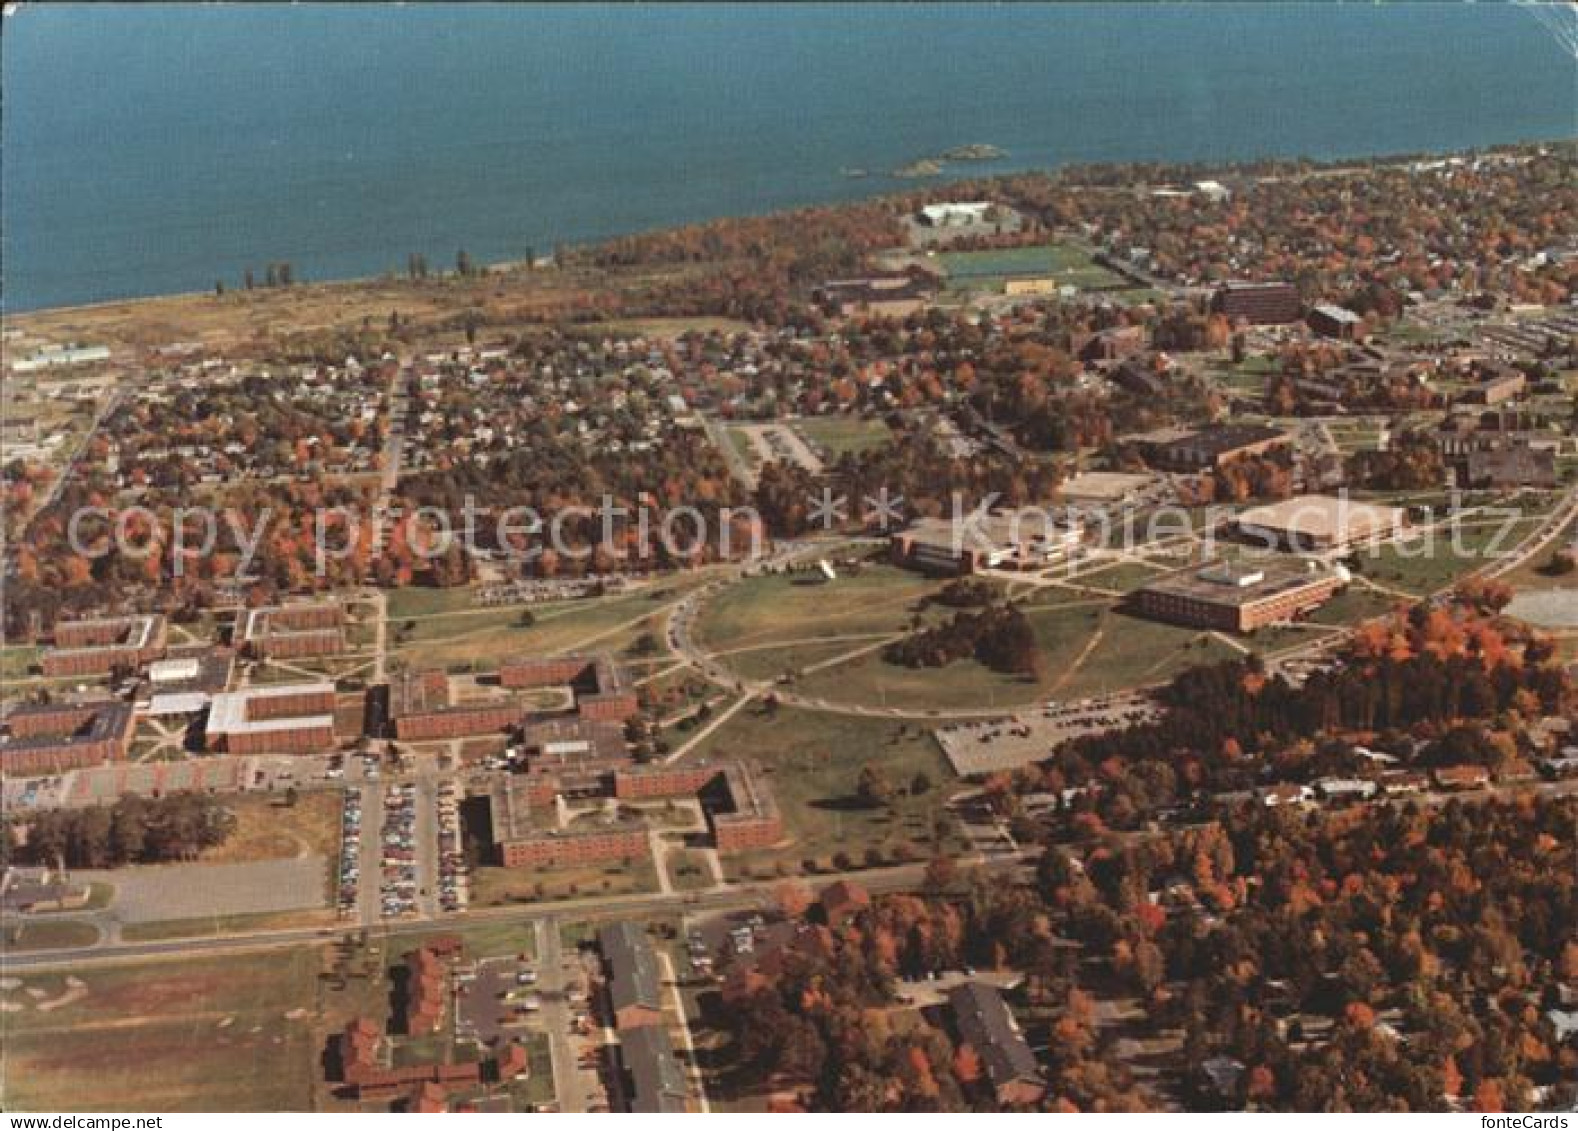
<point>965,171</point>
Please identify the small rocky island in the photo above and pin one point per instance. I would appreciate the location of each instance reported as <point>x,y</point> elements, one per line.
<point>933,166</point>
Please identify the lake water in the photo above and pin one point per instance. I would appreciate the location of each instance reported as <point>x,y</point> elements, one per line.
<point>151,149</point>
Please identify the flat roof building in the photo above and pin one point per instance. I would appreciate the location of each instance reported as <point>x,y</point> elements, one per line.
<point>1028,538</point>
<point>290,631</point>
<point>50,738</point>
<point>288,718</point>
<point>1235,598</point>
<point>1260,304</point>
<point>97,647</point>
<point>601,691</point>
<point>1184,449</point>
<point>1332,321</point>
<point>1319,523</point>
<point>423,706</point>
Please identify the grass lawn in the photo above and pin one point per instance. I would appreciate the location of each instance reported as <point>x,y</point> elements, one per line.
<point>1421,568</point>
<point>48,934</point>
<point>688,871</point>
<point>486,940</point>
<point>813,761</point>
<point>784,607</point>
<point>1353,605</point>
<point>740,441</point>
<point>1123,577</point>
<point>989,269</point>
<point>419,601</point>
<point>18,661</point>
<point>459,640</point>
<point>493,886</point>
<point>1532,574</point>
<point>211,925</point>
<point>193,1034</point>
<point>840,434</point>
<point>537,1089</point>
<point>773,661</point>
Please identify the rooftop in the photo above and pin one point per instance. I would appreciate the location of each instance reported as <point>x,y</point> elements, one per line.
<point>1322,516</point>
<point>1236,585</point>
<point>231,712</point>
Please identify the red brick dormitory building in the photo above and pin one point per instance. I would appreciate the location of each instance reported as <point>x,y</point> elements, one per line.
<point>290,631</point>
<point>601,692</point>
<point>97,647</point>
<point>423,707</point>
<point>741,812</point>
<point>53,738</point>
<point>289,718</point>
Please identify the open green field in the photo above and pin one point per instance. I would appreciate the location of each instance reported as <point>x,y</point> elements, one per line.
<point>772,661</point>
<point>1087,648</point>
<point>840,434</point>
<point>1425,567</point>
<point>482,637</point>
<point>784,607</point>
<point>977,270</point>
<point>18,661</point>
<point>198,1034</point>
<point>492,886</point>
<point>1535,574</point>
<point>47,934</point>
<point>209,926</point>
<point>813,762</point>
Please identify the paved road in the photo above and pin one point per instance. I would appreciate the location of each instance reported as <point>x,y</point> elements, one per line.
<point>552,986</point>
<point>596,908</point>
<point>427,845</point>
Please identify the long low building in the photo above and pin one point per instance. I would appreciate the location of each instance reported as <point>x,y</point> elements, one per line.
<point>631,972</point>
<point>54,737</point>
<point>1236,598</point>
<point>97,647</point>
<point>1191,450</point>
<point>1030,538</point>
<point>288,718</point>
<point>987,1025</point>
<point>290,631</point>
<point>599,686</point>
<point>424,707</point>
<point>742,813</point>
<point>1319,523</point>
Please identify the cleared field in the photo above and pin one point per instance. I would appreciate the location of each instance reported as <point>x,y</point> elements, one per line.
<point>198,1034</point>
<point>813,762</point>
<point>840,434</point>
<point>782,607</point>
<point>268,829</point>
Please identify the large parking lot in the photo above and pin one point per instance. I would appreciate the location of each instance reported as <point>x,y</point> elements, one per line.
<point>452,892</point>
<point>399,888</point>
<point>1029,736</point>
